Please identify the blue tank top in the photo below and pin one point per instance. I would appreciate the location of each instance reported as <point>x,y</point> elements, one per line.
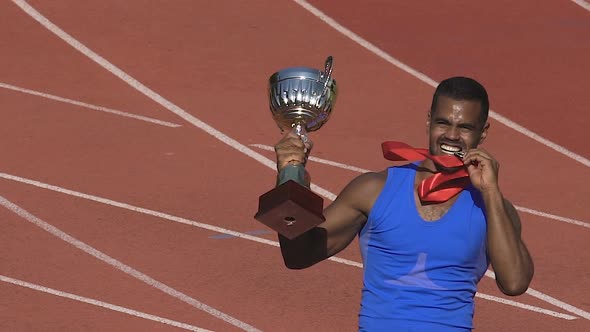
<point>420,275</point>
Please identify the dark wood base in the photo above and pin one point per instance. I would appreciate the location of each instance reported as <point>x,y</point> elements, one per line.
<point>290,209</point>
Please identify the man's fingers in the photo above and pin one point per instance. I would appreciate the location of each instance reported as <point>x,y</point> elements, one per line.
<point>290,142</point>
<point>478,159</point>
<point>292,149</point>
<point>476,156</point>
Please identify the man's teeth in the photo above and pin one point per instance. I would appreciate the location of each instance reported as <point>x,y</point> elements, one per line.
<point>449,149</point>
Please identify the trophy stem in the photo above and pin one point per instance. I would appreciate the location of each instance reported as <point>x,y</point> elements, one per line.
<point>295,171</point>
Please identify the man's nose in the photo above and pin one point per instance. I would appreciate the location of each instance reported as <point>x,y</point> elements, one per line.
<point>452,133</point>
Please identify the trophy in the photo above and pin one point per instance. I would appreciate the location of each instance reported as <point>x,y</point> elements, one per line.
<point>300,98</point>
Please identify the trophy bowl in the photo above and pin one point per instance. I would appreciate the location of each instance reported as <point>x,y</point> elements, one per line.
<point>302,96</point>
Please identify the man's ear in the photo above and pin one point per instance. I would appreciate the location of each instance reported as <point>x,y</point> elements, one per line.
<point>484,132</point>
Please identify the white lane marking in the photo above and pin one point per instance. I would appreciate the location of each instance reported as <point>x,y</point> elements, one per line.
<point>123,267</point>
<point>422,77</point>
<point>549,299</point>
<point>100,304</point>
<point>135,208</point>
<point>552,216</point>
<point>185,221</point>
<point>90,106</point>
<point>525,306</point>
<point>583,4</point>
<point>361,170</point>
<point>177,110</point>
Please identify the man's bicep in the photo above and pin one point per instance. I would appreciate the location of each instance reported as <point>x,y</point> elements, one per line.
<point>346,216</point>
<point>342,224</point>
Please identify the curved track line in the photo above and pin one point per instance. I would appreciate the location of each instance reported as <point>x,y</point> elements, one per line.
<point>90,106</point>
<point>362,170</point>
<point>422,77</point>
<point>101,304</point>
<point>344,261</point>
<point>123,267</point>
<point>583,4</point>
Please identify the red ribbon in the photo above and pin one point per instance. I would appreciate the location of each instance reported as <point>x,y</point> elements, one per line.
<point>439,187</point>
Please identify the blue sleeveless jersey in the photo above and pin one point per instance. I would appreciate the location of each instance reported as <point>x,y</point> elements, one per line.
<point>420,275</point>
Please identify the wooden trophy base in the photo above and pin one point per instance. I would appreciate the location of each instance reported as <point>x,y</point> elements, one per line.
<point>290,209</point>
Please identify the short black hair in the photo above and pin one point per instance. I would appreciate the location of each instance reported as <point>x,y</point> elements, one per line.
<point>463,88</point>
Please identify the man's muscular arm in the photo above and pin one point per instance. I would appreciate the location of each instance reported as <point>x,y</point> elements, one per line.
<point>509,256</point>
<point>344,217</point>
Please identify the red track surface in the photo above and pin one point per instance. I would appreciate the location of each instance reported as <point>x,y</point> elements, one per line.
<point>212,59</point>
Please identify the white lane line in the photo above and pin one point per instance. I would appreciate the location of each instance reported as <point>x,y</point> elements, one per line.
<point>185,221</point>
<point>164,102</point>
<point>525,306</point>
<point>583,4</point>
<point>549,299</point>
<point>123,267</point>
<point>90,106</point>
<point>422,77</point>
<point>361,170</point>
<point>101,304</point>
<point>552,216</point>
<point>137,209</point>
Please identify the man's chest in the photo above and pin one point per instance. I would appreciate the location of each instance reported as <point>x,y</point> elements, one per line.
<point>432,212</point>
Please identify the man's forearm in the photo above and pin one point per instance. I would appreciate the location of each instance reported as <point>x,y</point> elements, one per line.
<point>305,250</point>
<point>510,258</point>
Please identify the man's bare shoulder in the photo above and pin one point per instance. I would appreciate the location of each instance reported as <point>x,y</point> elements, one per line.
<point>370,180</point>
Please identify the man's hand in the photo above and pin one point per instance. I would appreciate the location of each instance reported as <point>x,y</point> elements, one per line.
<point>483,169</point>
<point>292,150</point>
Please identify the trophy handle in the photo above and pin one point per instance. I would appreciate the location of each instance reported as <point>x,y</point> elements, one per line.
<point>328,67</point>
<point>327,73</point>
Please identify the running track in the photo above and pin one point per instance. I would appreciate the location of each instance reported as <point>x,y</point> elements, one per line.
<point>132,165</point>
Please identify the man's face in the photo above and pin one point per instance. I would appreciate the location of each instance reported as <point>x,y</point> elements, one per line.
<point>455,126</point>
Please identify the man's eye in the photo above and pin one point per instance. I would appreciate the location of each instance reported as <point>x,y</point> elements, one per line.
<point>466,129</point>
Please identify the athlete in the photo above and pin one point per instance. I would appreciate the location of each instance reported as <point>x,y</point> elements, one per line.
<point>422,259</point>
